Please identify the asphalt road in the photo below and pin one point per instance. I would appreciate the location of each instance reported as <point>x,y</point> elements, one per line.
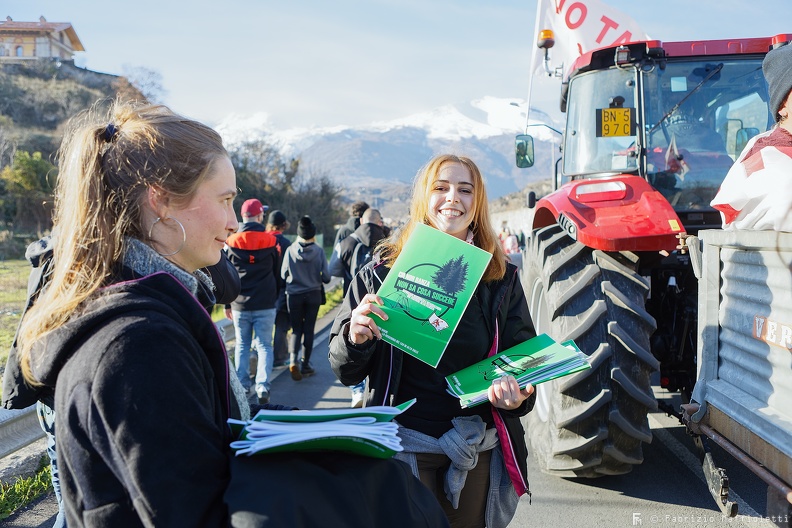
<point>666,491</point>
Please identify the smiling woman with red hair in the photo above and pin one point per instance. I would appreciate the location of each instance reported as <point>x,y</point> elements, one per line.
<point>448,195</point>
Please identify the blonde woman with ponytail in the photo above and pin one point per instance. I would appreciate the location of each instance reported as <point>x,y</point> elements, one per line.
<point>143,203</point>
<point>448,195</point>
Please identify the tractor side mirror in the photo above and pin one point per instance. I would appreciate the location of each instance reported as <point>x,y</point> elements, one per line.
<point>530,200</point>
<point>524,151</point>
<point>743,135</point>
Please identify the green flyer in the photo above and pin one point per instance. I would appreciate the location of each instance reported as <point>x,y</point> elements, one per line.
<point>427,290</point>
<point>535,361</point>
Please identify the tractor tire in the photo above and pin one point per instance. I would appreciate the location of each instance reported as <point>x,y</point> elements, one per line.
<point>592,423</point>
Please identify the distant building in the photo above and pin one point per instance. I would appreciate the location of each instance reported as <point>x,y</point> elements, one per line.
<point>20,41</point>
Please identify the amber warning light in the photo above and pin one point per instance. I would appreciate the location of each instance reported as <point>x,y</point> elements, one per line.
<point>546,39</point>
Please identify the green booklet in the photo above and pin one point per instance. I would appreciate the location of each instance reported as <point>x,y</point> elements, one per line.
<point>534,361</point>
<point>367,431</point>
<point>427,290</point>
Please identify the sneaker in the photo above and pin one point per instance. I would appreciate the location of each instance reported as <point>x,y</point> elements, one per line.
<point>263,395</point>
<point>306,369</point>
<point>295,372</point>
<point>357,400</point>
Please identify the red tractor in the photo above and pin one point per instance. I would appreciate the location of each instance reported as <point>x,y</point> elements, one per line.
<point>651,130</point>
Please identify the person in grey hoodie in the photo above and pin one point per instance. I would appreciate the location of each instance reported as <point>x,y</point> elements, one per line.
<point>304,269</point>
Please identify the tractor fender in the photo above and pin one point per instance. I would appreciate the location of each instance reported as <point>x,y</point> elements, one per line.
<point>617,213</point>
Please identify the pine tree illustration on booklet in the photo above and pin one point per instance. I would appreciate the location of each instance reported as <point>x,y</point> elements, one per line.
<point>534,361</point>
<point>367,431</point>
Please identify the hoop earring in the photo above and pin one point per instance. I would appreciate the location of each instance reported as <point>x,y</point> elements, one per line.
<point>184,235</point>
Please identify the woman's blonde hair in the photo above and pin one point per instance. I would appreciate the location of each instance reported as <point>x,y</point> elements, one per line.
<point>107,162</point>
<point>483,233</point>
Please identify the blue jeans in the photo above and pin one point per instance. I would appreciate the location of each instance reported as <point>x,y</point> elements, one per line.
<point>246,324</point>
<point>46,416</point>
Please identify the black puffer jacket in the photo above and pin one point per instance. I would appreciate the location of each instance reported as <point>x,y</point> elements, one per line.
<point>501,300</point>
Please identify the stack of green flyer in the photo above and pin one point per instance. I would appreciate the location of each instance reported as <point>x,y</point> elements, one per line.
<point>368,431</point>
<point>534,361</point>
<point>427,291</point>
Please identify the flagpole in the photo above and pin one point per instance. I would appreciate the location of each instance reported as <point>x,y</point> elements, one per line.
<point>533,61</point>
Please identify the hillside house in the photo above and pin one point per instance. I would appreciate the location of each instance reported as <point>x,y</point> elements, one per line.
<point>20,41</point>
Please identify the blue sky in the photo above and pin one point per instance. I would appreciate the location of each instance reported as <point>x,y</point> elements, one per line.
<point>351,62</point>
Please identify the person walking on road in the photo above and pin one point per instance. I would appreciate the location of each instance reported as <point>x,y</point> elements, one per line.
<point>354,252</point>
<point>305,271</point>
<point>255,254</point>
<point>356,211</point>
<point>473,459</point>
<point>277,224</point>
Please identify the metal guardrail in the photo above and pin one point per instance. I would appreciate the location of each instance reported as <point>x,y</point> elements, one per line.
<point>18,429</point>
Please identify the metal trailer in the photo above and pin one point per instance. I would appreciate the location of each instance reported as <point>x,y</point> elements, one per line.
<point>742,399</point>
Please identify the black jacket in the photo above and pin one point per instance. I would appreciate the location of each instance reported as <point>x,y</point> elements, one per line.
<point>501,300</point>
<point>255,254</point>
<point>142,383</point>
<point>352,223</point>
<point>367,234</point>
<point>283,244</point>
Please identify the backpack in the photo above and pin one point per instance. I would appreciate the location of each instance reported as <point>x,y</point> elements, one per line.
<point>336,266</point>
<point>360,256</point>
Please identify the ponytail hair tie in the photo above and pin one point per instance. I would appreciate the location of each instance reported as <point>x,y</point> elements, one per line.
<point>110,132</point>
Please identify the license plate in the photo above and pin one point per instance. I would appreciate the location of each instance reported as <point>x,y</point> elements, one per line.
<point>615,122</point>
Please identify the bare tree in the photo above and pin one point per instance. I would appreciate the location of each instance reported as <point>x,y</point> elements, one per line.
<point>147,81</point>
<point>263,173</point>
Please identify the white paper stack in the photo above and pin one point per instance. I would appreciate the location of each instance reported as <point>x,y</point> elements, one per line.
<point>367,431</point>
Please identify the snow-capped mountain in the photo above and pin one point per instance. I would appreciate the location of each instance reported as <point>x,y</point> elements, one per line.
<point>379,161</point>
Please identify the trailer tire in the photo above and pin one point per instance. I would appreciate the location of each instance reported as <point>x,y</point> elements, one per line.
<point>592,423</point>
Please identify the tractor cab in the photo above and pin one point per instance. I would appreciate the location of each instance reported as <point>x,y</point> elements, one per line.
<point>677,115</point>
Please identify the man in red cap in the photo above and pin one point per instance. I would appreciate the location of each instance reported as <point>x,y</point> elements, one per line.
<point>255,254</point>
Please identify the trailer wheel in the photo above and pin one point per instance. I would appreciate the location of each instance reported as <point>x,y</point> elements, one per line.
<point>591,423</point>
